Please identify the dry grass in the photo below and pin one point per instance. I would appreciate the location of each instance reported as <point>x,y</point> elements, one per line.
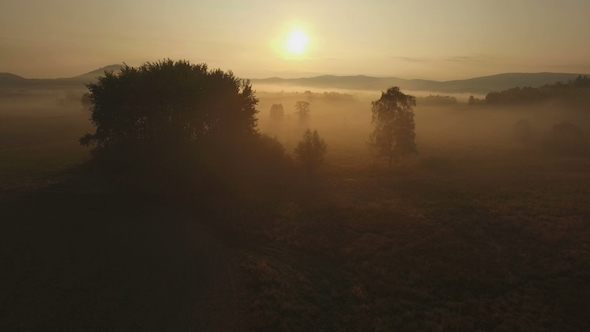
<point>33,150</point>
<point>490,237</point>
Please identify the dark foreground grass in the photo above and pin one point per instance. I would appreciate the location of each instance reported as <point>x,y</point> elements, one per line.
<point>82,255</point>
<point>34,149</point>
<point>490,240</point>
<point>81,252</point>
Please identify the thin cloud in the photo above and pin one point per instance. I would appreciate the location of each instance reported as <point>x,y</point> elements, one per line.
<point>478,58</point>
<point>413,59</point>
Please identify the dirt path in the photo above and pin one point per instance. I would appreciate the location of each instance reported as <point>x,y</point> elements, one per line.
<point>76,261</point>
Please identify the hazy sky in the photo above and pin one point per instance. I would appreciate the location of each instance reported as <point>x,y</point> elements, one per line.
<point>429,39</point>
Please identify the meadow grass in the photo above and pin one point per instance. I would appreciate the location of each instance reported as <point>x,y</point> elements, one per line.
<point>465,236</point>
<point>490,237</point>
<point>33,150</point>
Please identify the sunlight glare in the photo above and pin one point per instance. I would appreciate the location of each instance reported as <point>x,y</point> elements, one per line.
<point>297,42</point>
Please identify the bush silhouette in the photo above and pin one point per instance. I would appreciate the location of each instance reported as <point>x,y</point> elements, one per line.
<point>566,138</point>
<point>277,112</point>
<point>310,151</point>
<point>180,125</point>
<point>150,109</point>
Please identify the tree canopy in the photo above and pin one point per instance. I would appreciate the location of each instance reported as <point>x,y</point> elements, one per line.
<point>175,127</point>
<point>168,105</point>
<point>393,119</point>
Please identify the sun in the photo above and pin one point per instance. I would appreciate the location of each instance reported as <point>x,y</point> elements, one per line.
<point>297,42</point>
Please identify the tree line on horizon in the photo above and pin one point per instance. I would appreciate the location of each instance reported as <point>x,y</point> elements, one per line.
<point>575,92</point>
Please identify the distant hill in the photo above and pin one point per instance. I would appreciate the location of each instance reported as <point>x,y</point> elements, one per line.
<point>8,78</point>
<point>91,76</point>
<point>15,81</point>
<point>479,85</point>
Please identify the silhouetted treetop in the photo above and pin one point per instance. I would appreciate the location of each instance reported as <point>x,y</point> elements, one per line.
<point>393,119</point>
<point>167,104</point>
<point>303,109</point>
<point>277,112</point>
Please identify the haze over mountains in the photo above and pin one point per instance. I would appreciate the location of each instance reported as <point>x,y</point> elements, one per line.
<point>481,85</point>
<point>8,79</point>
<point>477,85</point>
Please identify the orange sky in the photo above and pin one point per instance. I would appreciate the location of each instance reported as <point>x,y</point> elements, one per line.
<point>428,39</point>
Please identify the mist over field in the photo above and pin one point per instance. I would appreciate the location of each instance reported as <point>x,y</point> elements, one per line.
<point>485,227</point>
<point>444,121</point>
<point>293,165</point>
<point>344,118</point>
<point>341,116</point>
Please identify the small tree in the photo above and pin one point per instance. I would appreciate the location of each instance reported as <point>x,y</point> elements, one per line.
<point>277,112</point>
<point>303,110</point>
<point>310,151</point>
<point>393,118</point>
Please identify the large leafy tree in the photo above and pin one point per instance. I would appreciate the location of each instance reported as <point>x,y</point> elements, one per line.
<point>393,119</point>
<point>168,109</point>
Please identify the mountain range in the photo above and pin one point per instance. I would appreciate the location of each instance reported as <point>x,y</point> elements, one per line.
<point>477,85</point>
<point>15,81</point>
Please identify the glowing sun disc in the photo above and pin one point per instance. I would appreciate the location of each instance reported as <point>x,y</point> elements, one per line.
<point>297,41</point>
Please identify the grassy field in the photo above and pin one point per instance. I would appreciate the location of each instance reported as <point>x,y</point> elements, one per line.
<point>33,149</point>
<point>82,252</point>
<point>470,235</point>
<point>490,237</point>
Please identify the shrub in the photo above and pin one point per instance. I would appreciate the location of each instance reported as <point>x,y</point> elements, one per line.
<point>566,138</point>
<point>181,126</point>
<point>310,151</point>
